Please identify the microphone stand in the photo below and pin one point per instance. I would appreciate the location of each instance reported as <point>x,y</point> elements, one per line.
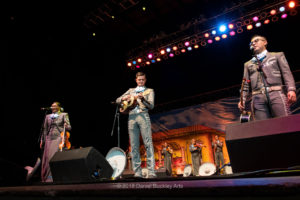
<point>117,116</point>
<point>260,66</point>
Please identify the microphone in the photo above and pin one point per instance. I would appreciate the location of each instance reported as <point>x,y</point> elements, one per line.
<point>251,48</point>
<point>46,108</point>
<point>114,103</point>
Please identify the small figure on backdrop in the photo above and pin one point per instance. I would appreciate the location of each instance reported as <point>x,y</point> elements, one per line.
<point>269,77</point>
<point>217,146</point>
<point>55,124</point>
<point>136,102</point>
<point>196,152</point>
<point>167,152</point>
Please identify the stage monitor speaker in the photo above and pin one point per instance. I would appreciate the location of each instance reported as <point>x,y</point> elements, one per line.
<point>11,174</point>
<point>264,144</point>
<point>80,165</point>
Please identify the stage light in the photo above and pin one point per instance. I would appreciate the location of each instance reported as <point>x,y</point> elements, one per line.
<point>214,32</point>
<point>273,12</point>
<point>162,52</point>
<point>175,48</point>
<point>158,59</point>
<point>230,26</point>
<point>187,44</point>
<point>94,34</point>
<point>138,66</point>
<point>148,62</point>
<point>232,33</point>
<point>222,28</point>
<point>217,38</point>
<point>283,16</point>
<point>255,18</point>
<point>206,35</point>
<point>183,50</point>
<point>189,48</point>
<point>292,4</point>
<point>224,36</point>
<point>258,24</point>
<point>249,27</point>
<point>139,60</point>
<point>210,41</point>
<point>168,49</point>
<point>171,55</point>
<point>282,9</point>
<point>150,55</point>
<point>196,46</point>
<point>153,61</point>
<point>267,21</point>
<point>144,8</point>
<point>134,62</point>
<point>129,64</point>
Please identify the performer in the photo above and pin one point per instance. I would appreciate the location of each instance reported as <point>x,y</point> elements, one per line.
<point>128,155</point>
<point>196,152</point>
<point>167,151</point>
<point>139,123</point>
<point>52,129</point>
<point>268,71</point>
<point>217,146</point>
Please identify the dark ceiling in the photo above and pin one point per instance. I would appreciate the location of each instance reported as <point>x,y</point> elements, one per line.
<point>52,56</point>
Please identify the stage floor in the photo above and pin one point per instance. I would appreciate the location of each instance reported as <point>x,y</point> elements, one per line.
<point>254,185</point>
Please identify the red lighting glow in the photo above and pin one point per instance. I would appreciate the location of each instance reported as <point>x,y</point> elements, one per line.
<point>292,4</point>
<point>175,48</point>
<point>210,41</point>
<point>267,21</point>
<point>273,12</point>
<point>139,60</point>
<point>162,52</point>
<point>232,33</point>
<point>129,64</point>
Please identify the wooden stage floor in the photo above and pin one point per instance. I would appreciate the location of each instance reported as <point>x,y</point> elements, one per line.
<point>254,185</point>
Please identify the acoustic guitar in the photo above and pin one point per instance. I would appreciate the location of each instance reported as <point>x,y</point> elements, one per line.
<point>126,106</point>
<point>245,115</point>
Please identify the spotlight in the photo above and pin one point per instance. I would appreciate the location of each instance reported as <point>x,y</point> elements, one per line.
<point>232,33</point>
<point>222,28</point>
<point>168,49</point>
<point>158,59</point>
<point>230,26</point>
<point>189,48</point>
<point>258,24</point>
<point>139,60</point>
<point>187,44</point>
<point>150,55</point>
<point>196,46</point>
<point>175,48</point>
<point>206,35</point>
<point>138,66</point>
<point>267,21</point>
<point>282,9</point>
<point>217,38</point>
<point>162,52</point>
<point>129,64</point>
<point>224,36</point>
<point>214,32</point>
<point>273,12</point>
<point>283,16</point>
<point>292,4</point>
<point>153,61</point>
<point>148,62</point>
<point>183,50</point>
<point>134,62</point>
<point>210,41</point>
<point>171,55</point>
<point>249,27</point>
<point>255,18</point>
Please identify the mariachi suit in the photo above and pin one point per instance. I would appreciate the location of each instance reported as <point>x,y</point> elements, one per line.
<point>53,126</point>
<point>167,160</point>
<point>196,158</point>
<point>139,123</point>
<point>279,80</point>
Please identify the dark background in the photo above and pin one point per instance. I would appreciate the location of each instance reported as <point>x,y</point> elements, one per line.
<point>49,55</point>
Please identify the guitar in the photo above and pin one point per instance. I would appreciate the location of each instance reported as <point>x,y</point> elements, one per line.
<point>245,115</point>
<point>126,106</point>
<point>65,143</point>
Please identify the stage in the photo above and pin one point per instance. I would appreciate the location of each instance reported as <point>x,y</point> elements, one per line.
<point>264,184</point>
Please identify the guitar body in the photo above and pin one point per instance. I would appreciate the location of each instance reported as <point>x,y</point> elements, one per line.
<point>245,116</point>
<point>130,104</point>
